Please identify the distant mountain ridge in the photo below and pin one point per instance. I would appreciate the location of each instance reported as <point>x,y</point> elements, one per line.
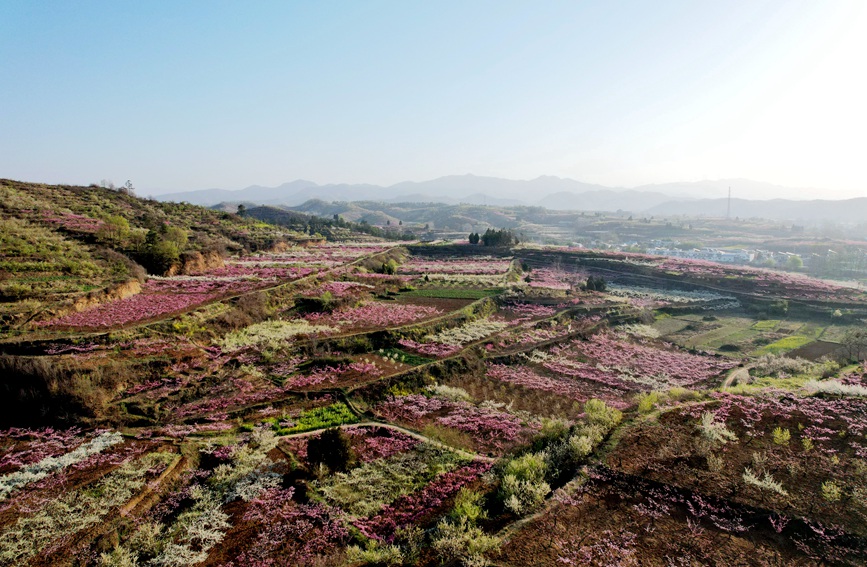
<point>700,198</point>
<point>452,189</point>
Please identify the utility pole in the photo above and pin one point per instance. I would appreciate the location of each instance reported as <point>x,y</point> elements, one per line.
<point>729,208</point>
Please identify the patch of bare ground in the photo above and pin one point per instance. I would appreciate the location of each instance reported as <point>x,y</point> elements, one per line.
<point>672,451</point>
<point>815,350</point>
<point>615,520</point>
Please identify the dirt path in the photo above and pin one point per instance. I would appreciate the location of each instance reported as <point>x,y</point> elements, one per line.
<point>737,375</point>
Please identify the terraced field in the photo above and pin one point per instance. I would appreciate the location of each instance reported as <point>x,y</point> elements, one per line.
<point>317,404</point>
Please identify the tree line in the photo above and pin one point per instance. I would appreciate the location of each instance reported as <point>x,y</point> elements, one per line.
<point>491,237</point>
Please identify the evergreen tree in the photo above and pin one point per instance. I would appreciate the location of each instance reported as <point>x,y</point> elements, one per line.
<point>332,449</point>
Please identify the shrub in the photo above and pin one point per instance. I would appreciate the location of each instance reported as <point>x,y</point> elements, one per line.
<point>765,483</point>
<point>523,487</point>
<point>831,492</point>
<point>552,431</point>
<point>836,388</point>
<point>375,553</point>
<point>715,463</point>
<point>461,541</point>
<point>782,436</point>
<point>389,268</point>
<point>468,506</point>
<point>679,394</point>
<point>160,256</point>
<point>714,431</point>
<point>563,458</point>
<point>450,393</point>
<point>527,467</point>
<point>647,401</point>
<point>598,413</point>
<point>581,445</point>
<point>595,284</point>
<point>779,307</point>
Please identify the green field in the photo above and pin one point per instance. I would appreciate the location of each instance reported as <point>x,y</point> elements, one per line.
<point>743,332</point>
<point>720,335</point>
<point>835,333</point>
<point>784,345</point>
<point>768,325</point>
<point>669,325</point>
<point>317,418</point>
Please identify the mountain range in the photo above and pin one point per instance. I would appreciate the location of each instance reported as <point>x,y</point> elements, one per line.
<point>699,198</point>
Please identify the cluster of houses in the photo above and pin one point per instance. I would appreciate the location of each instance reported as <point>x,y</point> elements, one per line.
<point>736,256</point>
<point>730,256</point>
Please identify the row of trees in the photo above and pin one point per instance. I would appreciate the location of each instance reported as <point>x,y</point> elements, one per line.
<point>491,237</point>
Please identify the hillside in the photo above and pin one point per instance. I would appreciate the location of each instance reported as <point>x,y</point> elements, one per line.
<point>298,399</point>
<point>448,217</point>
<point>64,246</point>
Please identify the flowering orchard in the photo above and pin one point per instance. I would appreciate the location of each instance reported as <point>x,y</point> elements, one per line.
<point>530,333</point>
<point>414,508</point>
<point>772,451</point>
<point>633,365</point>
<point>528,311</point>
<point>73,222</point>
<point>287,531</point>
<point>165,296</point>
<point>555,279</point>
<point>649,297</point>
<point>369,443</point>
<point>488,427</point>
<point>332,375</point>
<point>527,378</point>
<point>375,314</point>
<point>159,297</point>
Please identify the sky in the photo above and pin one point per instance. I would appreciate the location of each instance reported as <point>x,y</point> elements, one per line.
<point>190,95</point>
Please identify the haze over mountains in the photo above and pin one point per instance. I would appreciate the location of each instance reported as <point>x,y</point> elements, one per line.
<point>700,198</point>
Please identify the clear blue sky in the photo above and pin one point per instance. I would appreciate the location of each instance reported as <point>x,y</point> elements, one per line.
<point>190,95</point>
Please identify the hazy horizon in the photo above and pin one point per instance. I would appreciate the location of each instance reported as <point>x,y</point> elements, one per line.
<point>805,193</point>
<point>180,97</point>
